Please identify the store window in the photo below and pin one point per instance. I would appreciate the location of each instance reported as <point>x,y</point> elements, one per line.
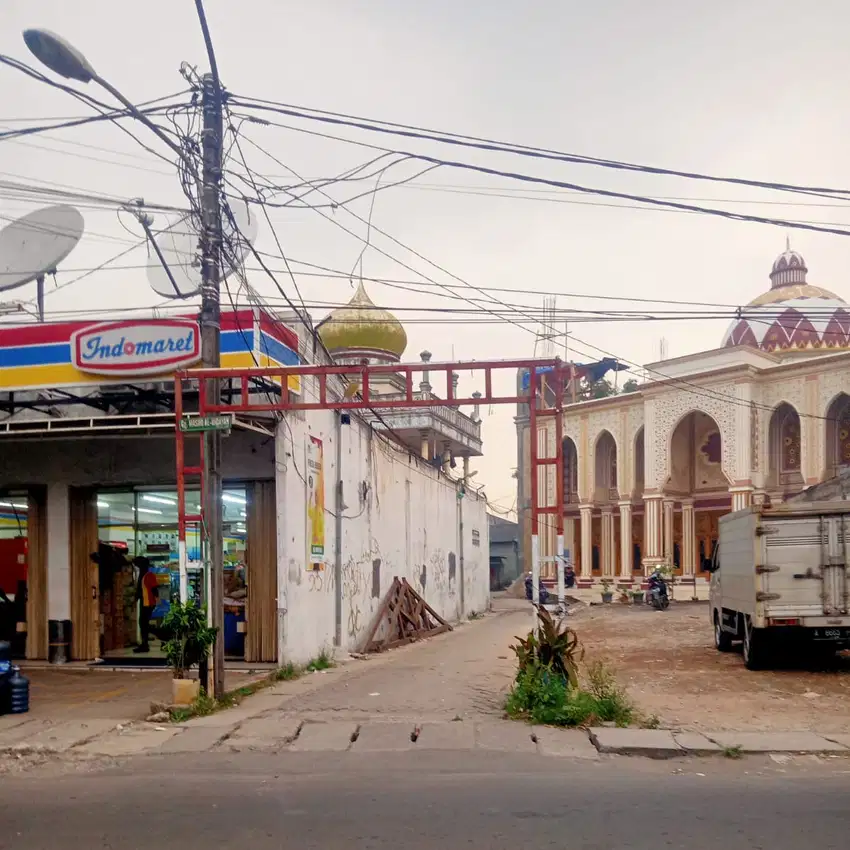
<point>13,570</point>
<point>137,529</point>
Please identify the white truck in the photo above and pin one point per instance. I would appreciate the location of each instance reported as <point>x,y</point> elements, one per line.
<point>779,580</point>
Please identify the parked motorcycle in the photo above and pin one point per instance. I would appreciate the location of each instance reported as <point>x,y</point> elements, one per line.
<point>656,593</point>
<point>529,591</point>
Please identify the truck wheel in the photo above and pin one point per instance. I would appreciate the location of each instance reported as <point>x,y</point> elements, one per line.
<point>722,640</point>
<point>755,647</point>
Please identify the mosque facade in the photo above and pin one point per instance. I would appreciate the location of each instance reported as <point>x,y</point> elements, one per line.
<point>648,474</point>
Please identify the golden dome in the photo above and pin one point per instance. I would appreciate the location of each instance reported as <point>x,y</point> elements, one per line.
<point>361,327</point>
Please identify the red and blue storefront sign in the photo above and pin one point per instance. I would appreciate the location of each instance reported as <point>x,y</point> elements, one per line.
<point>85,354</point>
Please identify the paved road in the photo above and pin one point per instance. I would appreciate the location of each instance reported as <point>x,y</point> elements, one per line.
<point>477,801</point>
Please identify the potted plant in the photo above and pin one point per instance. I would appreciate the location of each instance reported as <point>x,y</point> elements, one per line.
<point>189,642</point>
<point>607,593</point>
<point>638,597</point>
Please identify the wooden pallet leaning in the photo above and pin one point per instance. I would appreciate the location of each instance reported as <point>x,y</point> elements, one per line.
<point>406,616</point>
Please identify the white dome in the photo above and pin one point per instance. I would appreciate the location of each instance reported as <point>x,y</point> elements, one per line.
<point>792,315</point>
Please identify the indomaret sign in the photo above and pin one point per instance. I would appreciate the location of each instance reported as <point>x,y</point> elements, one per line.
<point>131,348</point>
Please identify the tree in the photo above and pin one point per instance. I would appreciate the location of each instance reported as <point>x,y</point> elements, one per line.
<point>602,388</point>
<point>630,386</point>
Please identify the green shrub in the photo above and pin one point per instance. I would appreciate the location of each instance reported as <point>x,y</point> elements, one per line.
<point>555,647</point>
<point>190,639</point>
<point>322,661</point>
<point>547,689</point>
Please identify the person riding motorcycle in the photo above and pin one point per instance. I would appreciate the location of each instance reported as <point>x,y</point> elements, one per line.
<point>656,591</point>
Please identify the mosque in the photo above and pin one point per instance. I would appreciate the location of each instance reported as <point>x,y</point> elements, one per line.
<point>761,417</point>
<point>360,332</point>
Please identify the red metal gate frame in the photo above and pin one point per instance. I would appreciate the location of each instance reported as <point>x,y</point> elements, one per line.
<point>546,378</point>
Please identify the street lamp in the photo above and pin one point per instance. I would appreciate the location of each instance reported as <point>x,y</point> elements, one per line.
<point>62,57</point>
<point>57,54</point>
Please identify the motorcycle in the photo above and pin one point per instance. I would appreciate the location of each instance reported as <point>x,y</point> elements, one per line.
<point>656,593</point>
<point>543,596</point>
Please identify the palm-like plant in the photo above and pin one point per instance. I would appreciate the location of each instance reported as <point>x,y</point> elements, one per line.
<point>555,647</point>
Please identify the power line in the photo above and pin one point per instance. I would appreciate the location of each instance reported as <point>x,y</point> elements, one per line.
<point>481,143</point>
<point>649,202</point>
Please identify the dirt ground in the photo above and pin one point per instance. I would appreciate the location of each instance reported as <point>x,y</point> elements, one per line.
<point>668,662</point>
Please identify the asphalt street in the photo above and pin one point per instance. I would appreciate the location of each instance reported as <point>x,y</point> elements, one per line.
<point>426,800</point>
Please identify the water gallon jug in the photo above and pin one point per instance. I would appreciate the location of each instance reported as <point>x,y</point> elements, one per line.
<point>19,692</point>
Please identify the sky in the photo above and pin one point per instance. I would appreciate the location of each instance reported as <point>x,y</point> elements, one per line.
<point>735,88</point>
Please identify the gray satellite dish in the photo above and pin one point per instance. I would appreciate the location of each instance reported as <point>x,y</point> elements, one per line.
<point>34,245</point>
<point>175,269</point>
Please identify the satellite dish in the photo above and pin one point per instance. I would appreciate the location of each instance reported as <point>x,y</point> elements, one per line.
<point>34,245</point>
<point>175,269</point>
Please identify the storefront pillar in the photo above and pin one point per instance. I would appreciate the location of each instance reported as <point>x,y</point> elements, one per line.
<point>58,571</point>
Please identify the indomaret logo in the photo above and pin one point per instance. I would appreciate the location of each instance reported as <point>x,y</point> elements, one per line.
<point>136,348</point>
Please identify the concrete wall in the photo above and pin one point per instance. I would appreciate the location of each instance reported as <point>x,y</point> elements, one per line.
<point>408,526</point>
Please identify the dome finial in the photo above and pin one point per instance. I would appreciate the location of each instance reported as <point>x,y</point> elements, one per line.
<point>789,268</point>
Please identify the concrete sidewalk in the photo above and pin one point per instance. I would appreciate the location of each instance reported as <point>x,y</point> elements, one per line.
<point>260,725</point>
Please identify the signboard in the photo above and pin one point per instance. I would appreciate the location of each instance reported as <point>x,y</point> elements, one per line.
<point>315,504</point>
<point>134,348</point>
<point>102,353</point>
<point>219,422</point>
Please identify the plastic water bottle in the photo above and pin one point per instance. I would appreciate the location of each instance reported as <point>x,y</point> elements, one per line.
<point>19,692</point>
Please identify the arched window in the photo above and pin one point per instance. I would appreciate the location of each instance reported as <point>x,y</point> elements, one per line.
<point>784,462</point>
<point>838,434</point>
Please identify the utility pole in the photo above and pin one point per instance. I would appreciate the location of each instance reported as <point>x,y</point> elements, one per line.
<point>211,144</point>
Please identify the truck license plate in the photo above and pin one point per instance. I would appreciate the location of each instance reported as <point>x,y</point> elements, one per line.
<point>831,634</point>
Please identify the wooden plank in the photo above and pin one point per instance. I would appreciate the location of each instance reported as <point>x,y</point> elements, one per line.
<point>428,608</point>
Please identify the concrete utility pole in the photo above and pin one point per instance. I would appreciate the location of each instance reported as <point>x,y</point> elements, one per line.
<point>211,143</point>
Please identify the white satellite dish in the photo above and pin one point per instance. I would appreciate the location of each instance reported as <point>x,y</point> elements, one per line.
<point>32,246</point>
<point>177,272</point>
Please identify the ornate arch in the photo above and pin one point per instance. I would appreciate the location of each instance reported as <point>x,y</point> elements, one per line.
<point>784,439</point>
<point>603,487</point>
<point>672,408</point>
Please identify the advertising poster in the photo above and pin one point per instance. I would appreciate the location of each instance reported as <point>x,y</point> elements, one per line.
<point>315,504</point>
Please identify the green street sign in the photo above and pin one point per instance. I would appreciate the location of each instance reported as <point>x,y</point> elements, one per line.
<point>193,424</point>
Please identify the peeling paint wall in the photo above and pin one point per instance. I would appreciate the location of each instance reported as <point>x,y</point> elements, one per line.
<point>408,526</point>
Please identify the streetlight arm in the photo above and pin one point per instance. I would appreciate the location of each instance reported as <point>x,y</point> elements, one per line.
<point>141,117</point>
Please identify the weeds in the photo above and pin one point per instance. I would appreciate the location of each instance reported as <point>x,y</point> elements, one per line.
<point>548,688</point>
<point>322,661</point>
<point>205,705</point>
<point>286,673</point>
<point>732,752</point>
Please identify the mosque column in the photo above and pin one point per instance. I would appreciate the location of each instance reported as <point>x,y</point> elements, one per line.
<point>625,540</point>
<point>689,539</point>
<point>742,497</point>
<point>652,518</point>
<point>586,515</point>
<point>608,554</point>
<point>668,507</point>
<point>570,539</point>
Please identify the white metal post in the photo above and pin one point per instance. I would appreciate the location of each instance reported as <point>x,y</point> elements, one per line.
<point>535,577</point>
<point>560,564</point>
<point>182,565</point>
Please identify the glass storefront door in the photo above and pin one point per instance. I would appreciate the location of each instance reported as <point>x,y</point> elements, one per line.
<point>142,524</point>
<point>14,515</point>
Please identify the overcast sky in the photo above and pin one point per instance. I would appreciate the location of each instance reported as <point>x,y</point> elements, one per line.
<point>752,88</point>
